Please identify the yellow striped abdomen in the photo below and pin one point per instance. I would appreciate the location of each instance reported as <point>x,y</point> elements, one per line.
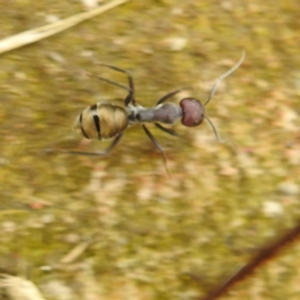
<point>101,121</point>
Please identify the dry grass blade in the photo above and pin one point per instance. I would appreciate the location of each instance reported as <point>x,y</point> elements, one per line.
<point>75,252</point>
<point>34,35</point>
<point>17,288</point>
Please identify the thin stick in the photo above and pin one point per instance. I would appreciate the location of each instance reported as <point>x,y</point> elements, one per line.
<point>34,35</point>
<point>266,254</point>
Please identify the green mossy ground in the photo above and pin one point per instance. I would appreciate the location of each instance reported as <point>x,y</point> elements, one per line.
<point>152,237</point>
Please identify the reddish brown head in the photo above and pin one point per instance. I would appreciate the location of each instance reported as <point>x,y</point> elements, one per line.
<point>193,112</point>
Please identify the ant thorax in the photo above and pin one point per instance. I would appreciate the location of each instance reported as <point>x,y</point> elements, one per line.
<point>167,113</point>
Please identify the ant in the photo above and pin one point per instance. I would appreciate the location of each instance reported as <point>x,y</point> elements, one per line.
<point>105,120</point>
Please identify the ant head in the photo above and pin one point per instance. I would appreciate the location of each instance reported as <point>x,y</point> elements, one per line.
<point>193,112</point>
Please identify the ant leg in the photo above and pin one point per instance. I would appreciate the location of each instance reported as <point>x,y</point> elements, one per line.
<point>114,83</point>
<point>167,130</point>
<point>130,97</point>
<point>169,95</point>
<point>157,145</point>
<point>103,153</point>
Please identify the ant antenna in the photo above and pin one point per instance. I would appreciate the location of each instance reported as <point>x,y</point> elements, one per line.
<point>219,79</point>
<point>214,129</point>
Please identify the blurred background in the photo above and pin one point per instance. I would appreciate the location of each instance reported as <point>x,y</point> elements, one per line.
<point>120,228</point>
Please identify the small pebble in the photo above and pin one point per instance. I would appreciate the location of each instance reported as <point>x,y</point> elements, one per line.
<point>272,208</point>
<point>90,4</point>
<point>176,43</point>
<point>288,188</point>
<point>8,226</point>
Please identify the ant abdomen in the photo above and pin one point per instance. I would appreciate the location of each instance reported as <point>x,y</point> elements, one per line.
<point>193,112</point>
<point>101,121</point>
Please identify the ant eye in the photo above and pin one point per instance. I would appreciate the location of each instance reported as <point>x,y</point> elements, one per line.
<point>193,112</point>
